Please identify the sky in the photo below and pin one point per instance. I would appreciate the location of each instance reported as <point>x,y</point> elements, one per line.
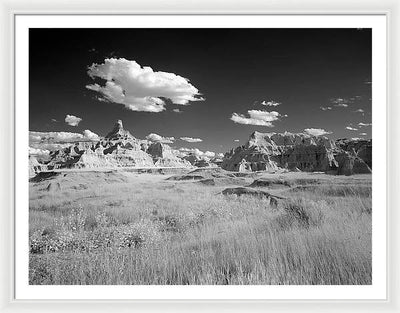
<point>211,87</point>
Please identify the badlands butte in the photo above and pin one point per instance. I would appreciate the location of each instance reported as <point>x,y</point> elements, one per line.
<point>263,152</point>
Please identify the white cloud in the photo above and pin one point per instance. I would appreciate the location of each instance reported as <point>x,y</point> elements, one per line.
<point>271,103</point>
<point>72,120</point>
<point>54,136</point>
<point>236,140</point>
<point>326,108</point>
<point>356,138</point>
<point>209,154</point>
<point>194,151</point>
<point>359,111</point>
<point>190,139</point>
<point>351,128</point>
<point>363,134</point>
<point>177,111</point>
<point>341,102</point>
<point>316,131</point>
<point>158,138</point>
<point>256,117</point>
<point>184,149</point>
<point>90,135</point>
<point>60,137</point>
<point>344,102</point>
<point>364,124</point>
<point>140,88</point>
<point>37,151</point>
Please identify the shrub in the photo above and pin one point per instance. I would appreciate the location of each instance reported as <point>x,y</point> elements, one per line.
<point>40,242</point>
<point>301,213</point>
<point>75,221</point>
<point>137,235</point>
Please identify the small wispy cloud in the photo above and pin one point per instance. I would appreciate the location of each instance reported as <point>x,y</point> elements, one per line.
<point>72,120</point>
<point>359,111</point>
<point>236,140</point>
<point>190,139</point>
<point>270,103</point>
<point>177,111</point>
<point>326,108</point>
<point>316,131</point>
<point>256,117</point>
<point>340,102</point>
<point>344,102</point>
<point>351,128</point>
<point>363,134</point>
<point>364,124</point>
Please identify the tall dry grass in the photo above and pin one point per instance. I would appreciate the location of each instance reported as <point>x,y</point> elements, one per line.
<point>183,233</point>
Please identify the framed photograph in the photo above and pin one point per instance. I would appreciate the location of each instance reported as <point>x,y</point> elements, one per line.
<point>236,157</point>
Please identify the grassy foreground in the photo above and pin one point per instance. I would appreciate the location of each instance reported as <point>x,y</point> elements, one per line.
<point>125,228</point>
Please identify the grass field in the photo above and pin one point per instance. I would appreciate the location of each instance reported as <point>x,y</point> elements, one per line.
<point>128,228</point>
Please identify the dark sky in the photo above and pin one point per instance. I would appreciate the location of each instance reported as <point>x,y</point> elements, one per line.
<point>303,69</point>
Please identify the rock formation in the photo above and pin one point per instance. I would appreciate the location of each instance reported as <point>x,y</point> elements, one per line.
<point>239,191</point>
<point>117,149</point>
<point>119,133</point>
<point>360,148</point>
<point>202,161</point>
<point>34,166</point>
<point>272,152</point>
<point>163,156</point>
<point>263,152</point>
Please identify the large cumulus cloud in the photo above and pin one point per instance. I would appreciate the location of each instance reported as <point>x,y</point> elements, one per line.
<point>140,88</point>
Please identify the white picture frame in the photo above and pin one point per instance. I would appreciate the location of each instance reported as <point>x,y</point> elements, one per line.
<point>7,218</point>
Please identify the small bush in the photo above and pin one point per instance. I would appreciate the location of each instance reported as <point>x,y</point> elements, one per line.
<point>137,235</point>
<point>301,213</point>
<point>40,242</point>
<point>75,221</point>
<point>171,223</point>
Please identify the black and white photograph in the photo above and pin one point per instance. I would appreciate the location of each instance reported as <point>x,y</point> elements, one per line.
<point>200,156</point>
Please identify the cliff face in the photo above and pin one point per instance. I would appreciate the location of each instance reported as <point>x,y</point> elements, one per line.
<point>270,151</point>
<point>163,156</point>
<point>118,149</point>
<point>119,133</point>
<point>359,148</point>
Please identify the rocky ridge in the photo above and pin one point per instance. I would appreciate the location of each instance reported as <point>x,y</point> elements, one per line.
<point>299,152</point>
<point>263,152</point>
<point>117,149</point>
